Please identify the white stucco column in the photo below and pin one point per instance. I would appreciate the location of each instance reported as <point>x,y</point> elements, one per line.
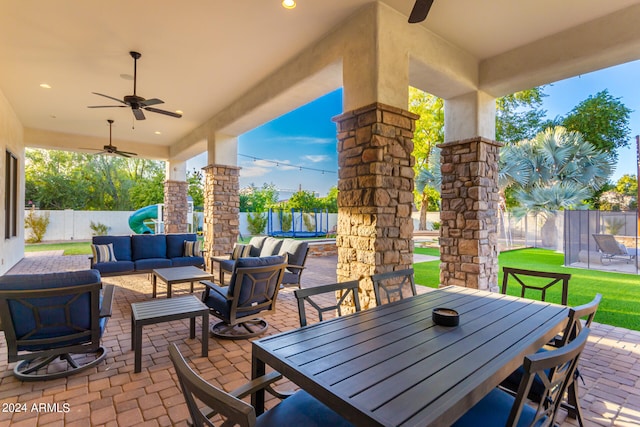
<point>470,115</point>
<point>222,149</point>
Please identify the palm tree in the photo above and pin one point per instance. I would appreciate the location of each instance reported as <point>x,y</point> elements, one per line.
<point>555,170</point>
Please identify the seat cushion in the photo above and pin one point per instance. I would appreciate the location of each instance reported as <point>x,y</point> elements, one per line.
<point>256,243</point>
<point>217,301</point>
<point>296,251</point>
<point>121,245</point>
<point>175,243</point>
<point>301,409</point>
<point>145,246</point>
<point>493,410</point>
<point>227,265</point>
<point>114,267</point>
<point>271,246</point>
<point>151,263</point>
<point>187,260</point>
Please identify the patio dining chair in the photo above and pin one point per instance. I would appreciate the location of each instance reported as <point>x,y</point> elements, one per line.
<point>553,368</point>
<point>205,402</point>
<point>313,296</point>
<point>536,281</point>
<point>580,317</point>
<point>253,290</point>
<point>393,285</point>
<point>54,316</point>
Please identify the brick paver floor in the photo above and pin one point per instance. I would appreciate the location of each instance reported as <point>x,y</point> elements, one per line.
<point>113,395</point>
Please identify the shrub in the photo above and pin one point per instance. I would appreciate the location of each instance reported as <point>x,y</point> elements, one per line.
<point>37,224</point>
<point>287,219</point>
<point>99,229</point>
<point>256,222</point>
<point>309,222</point>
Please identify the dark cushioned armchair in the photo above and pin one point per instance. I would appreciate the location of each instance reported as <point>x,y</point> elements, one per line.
<point>253,290</point>
<point>51,316</point>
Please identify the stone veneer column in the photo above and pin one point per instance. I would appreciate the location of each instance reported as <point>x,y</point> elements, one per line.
<point>469,214</point>
<point>175,207</point>
<point>375,229</point>
<point>221,208</point>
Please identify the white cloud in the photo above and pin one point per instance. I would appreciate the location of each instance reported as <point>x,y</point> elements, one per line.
<point>253,171</point>
<point>317,158</point>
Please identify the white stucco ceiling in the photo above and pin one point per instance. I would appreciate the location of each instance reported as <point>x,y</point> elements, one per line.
<point>199,56</point>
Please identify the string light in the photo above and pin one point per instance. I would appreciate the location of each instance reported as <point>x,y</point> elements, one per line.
<point>273,162</point>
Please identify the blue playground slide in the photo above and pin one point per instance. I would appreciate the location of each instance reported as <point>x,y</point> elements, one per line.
<point>137,219</point>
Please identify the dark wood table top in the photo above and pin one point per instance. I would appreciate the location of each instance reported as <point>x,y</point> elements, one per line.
<point>392,366</point>
<point>182,274</point>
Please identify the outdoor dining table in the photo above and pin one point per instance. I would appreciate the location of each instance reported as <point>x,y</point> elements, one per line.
<point>392,366</point>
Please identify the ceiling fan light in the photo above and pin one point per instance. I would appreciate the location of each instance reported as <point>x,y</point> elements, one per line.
<point>288,4</point>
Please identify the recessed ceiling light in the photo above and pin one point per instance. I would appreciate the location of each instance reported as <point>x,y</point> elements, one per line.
<point>45,86</point>
<point>288,4</point>
<point>158,132</point>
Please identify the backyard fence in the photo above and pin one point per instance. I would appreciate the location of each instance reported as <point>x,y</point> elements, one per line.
<point>581,250</point>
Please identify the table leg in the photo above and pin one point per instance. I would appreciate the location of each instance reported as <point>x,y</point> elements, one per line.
<point>133,332</point>
<point>205,334</point>
<point>138,350</point>
<point>192,327</point>
<point>154,282</point>
<point>192,286</point>
<point>168,289</point>
<point>257,370</point>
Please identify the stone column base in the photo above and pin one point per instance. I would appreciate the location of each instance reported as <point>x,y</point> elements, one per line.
<point>221,208</point>
<point>375,228</point>
<point>469,214</point>
<point>175,207</point>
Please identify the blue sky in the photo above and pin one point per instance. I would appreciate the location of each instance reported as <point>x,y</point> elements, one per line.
<point>298,149</point>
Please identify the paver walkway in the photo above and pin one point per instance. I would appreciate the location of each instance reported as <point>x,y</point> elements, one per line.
<point>113,395</point>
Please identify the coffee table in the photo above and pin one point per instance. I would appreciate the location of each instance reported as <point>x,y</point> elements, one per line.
<point>173,275</point>
<point>166,310</point>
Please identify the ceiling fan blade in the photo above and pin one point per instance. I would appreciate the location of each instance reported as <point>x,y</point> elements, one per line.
<point>107,106</point>
<point>420,11</point>
<point>110,97</point>
<point>166,113</point>
<point>138,113</point>
<point>124,153</point>
<point>152,101</point>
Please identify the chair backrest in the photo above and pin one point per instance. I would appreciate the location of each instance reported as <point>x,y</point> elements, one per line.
<point>393,286</point>
<point>536,280</point>
<point>608,245</point>
<point>196,390</point>
<point>42,313</point>
<point>576,314</point>
<point>554,368</point>
<point>254,285</point>
<point>330,302</point>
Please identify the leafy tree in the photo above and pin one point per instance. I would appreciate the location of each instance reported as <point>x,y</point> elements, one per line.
<point>253,199</point>
<point>519,115</point>
<point>330,201</point>
<point>603,121</point>
<point>428,133</point>
<point>149,191</point>
<point>196,187</point>
<point>627,185</point>
<point>303,200</point>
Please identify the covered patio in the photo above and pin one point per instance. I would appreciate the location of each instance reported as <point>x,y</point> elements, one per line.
<point>235,66</point>
<point>113,395</point>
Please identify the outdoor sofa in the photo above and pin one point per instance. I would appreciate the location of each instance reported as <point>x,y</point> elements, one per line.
<point>141,253</point>
<point>294,250</point>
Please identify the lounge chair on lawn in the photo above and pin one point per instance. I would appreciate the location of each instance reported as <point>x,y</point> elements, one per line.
<point>610,249</point>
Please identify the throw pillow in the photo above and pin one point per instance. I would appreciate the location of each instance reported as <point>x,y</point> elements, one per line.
<point>103,253</point>
<point>191,248</point>
<point>241,251</point>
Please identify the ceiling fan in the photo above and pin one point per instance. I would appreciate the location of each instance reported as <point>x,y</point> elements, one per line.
<point>112,149</point>
<point>135,102</point>
<point>420,11</point>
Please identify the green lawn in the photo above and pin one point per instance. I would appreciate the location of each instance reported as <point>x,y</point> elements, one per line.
<point>620,304</point>
<point>75,248</point>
